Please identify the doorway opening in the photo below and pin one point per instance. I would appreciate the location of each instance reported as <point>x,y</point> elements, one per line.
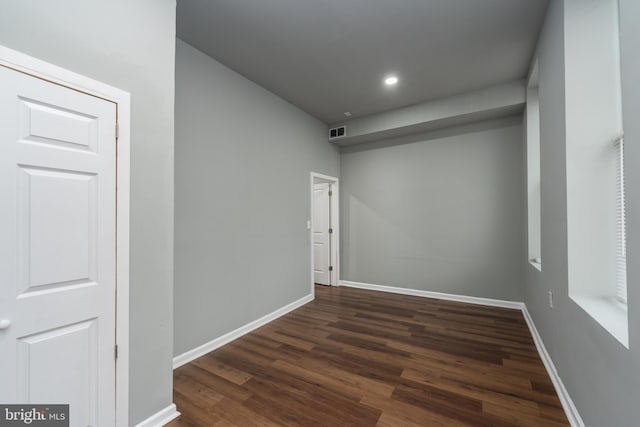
<point>324,226</point>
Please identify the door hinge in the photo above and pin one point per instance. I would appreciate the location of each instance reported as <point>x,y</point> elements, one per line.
<point>331,231</point>
<point>330,193</point>
<point>115,352</point>
<point>117,131</point>
<point>331,268</point>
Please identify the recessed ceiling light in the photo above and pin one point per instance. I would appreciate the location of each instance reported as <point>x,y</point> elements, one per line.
<point>347,114</point>
<point>391,80</point>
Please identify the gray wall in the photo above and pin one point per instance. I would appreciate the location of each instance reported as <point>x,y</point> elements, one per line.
<point>243,158</point>
<point>439,212</point>
<point>601,376</point>
<point>129,45</point>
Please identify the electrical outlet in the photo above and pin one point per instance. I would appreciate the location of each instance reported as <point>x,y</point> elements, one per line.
<point>550,299</point>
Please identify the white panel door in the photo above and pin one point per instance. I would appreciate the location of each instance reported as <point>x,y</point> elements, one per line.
<point>321,237</point>
<point>57,248</point>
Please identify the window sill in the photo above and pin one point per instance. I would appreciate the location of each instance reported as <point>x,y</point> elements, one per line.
<point>609,313</point>
<point>536,265</point>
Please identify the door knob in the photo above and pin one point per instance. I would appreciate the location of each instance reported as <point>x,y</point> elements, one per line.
<point>4,324</point>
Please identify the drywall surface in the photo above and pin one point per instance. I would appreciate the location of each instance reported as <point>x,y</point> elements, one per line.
<point>243,163</point>
<point>129,45</point>
<point>493,102</point>
<point>601,375</point>
<point>439,212</point>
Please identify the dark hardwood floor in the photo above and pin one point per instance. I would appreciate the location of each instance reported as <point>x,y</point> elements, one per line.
<point>364,358</point>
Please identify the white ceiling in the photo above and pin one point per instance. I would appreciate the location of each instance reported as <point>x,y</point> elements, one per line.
<point>330,56</point>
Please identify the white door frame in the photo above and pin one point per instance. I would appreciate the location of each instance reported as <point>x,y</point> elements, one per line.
<point>335,224</point>
<point>26,64</point>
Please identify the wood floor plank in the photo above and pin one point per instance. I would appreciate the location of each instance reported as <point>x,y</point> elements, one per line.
<point>225,371</point>
<point>235,413</point>
<point>509,401</point>
<point>194,413</point>
<point>356,357</point>
<point>412,414</point>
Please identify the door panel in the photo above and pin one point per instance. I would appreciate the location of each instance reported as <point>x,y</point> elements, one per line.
<point>48,124</point>
<point>58,248</point>
<point>75,376</point>
<point>46,219</point>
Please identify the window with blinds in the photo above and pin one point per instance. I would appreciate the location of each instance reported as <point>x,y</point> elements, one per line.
<point>595,169</point>
<point>621,234</point>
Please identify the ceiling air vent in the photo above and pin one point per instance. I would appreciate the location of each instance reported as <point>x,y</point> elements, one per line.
<point>338,132</point>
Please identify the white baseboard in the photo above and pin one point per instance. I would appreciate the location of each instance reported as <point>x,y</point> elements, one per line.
<point>190,355</point>
<point>567,404</point>
<point>437,295</point>
<point>161,418</point>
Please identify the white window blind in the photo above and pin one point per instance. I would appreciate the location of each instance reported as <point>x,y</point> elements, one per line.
<point>621,235</point>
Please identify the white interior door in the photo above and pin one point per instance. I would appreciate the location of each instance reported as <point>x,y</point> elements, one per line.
<point>58,247</point>
<point>321,236</point>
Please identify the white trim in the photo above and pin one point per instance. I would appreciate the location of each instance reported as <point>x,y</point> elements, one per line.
<point>437,295</point>
<point>193,354</point>
<point>609,313</point>
<point>536,265</point>
<point>40,69</point>
<point>122,260</point>
<point>161,418</point>
<point>335,236</point>
<point>567,404</point>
